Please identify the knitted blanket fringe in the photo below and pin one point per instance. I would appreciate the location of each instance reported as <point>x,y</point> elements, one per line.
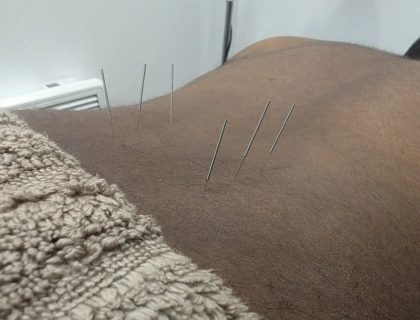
<point>72,247</point>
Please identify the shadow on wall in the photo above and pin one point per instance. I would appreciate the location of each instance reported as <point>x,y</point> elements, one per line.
<point>414,51</point>
<point>352,21</point>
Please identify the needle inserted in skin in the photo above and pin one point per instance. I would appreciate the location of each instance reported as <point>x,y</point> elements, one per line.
<point>215,154</point>
<point>172,93</point>
<point>141,98</point>
<point>278,135</point>
<point>107,101</point>
<point>252,138</point>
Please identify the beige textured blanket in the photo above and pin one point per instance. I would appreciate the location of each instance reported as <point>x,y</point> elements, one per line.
<point>71,247</point>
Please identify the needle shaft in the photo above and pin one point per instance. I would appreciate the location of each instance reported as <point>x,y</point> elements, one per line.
<point>215,153</point>
<point>107,101</point>
<point>253,137</point>
<point>278,135</point>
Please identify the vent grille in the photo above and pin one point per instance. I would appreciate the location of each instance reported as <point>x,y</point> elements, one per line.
<point>85,103</point>
<point>81,95</point>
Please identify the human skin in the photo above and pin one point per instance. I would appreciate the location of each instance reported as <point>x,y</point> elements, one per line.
<point>330,228</point>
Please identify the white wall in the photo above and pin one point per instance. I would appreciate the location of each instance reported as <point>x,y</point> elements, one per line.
<point>47,40</point>
<point>389,25</point>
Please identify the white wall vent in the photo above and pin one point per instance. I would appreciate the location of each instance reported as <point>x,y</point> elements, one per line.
<point>66,94</point>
